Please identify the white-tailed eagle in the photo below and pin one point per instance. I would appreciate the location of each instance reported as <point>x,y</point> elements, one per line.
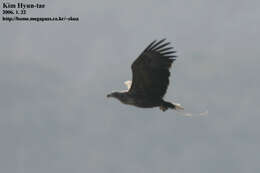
<point>150,78</point>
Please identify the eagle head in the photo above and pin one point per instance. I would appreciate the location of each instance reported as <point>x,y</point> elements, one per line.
<point>121,96</point>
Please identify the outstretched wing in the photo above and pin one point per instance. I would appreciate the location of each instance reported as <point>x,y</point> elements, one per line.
<point>151,70</point>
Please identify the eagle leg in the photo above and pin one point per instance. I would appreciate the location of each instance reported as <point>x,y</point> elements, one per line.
<point>163,108</point>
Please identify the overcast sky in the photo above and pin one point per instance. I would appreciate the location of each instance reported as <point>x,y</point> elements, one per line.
<point>54,77</point>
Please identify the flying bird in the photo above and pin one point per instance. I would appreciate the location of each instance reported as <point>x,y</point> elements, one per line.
<point>150,79</point>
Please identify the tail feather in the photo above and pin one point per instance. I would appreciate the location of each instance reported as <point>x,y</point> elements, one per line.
<point>178,107</point>
<point>166,105</point>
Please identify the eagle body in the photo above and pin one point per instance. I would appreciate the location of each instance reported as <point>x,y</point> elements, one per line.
<point>150,78</point>
<point>135,100</point>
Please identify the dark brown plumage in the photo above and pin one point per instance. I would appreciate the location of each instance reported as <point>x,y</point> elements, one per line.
<point>150,78</point>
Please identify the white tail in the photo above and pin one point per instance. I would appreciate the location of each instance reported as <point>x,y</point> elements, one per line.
<point>178,107</point>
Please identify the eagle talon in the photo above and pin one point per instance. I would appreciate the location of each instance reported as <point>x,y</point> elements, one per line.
<point>163,108</point>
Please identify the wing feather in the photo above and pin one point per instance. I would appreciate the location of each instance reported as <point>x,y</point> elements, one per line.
<point>159,42</point>
<point>163,45</point>
<point>150,45</point>
<point>166,53</point>
<point>165,49</point>
<point>151,70</point>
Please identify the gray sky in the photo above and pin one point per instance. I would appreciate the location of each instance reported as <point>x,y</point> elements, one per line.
<point>54,116</point>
